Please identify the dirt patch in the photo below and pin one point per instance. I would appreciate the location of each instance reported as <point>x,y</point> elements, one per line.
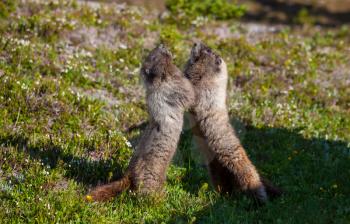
<point>98,94</point>
<point>331,5</point>
<point>325,12</point>
<point>252,31</point>
<point>57,186</point>
<point>96,155</point>
<point>93,37</point>
<point>158,5</point>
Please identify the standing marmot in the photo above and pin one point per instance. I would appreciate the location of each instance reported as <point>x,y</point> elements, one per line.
<point>228,163</point>
<point>168,94</point>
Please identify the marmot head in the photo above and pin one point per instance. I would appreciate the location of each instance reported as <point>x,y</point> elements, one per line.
<point>162,77</point>
<point>204,64</point>
<point>157,66</point>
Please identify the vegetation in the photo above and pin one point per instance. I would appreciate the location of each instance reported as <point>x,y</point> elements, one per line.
<point>217,9</point>
<point>70,98</point>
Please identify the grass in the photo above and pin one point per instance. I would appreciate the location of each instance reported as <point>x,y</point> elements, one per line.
<point>70,93</point>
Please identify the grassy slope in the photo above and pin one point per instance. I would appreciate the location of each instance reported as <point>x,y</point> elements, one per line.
<point>69,90</point>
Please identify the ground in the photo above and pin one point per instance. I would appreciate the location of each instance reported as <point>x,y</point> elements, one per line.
<point>72,109</point>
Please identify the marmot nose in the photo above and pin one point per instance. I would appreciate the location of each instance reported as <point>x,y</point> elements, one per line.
<point>164,50</point>
<point>197,45</point>
<point>196,49</point>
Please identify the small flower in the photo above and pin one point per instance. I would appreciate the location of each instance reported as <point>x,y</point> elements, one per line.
<point>334,186</point>
<point>127,142</point>
<point>88,197</point>
<point>123,46</point>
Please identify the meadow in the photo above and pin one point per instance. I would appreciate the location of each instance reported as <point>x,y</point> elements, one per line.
<point>72,108</point>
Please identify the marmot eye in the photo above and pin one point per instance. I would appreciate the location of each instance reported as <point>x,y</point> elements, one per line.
<point>218,61</point>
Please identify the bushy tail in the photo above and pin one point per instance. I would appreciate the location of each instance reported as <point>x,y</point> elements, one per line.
<point>265,191</point>
<point>108,191</point>
<point>272,190</point>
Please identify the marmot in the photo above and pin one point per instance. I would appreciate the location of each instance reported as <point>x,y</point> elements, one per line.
<point>168,95</point>
<point>228,164</point>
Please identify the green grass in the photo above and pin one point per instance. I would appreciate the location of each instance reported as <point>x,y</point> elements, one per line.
<point>70,93</point>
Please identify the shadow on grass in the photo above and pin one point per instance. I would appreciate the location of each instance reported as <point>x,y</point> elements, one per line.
<point>290,11</point>
<point>314,173</point>
<point>83,170</point>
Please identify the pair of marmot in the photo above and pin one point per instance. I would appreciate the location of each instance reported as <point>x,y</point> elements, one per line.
<point>169,93</point>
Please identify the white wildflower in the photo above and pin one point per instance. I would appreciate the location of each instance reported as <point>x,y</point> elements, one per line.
<point>123,46</point>
<point>22,42</point>
<point>127,142</point>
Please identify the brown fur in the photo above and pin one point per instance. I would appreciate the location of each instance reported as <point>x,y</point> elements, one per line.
<point>228,164</point>
<point>108,191</point>
<point>168,94</point>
